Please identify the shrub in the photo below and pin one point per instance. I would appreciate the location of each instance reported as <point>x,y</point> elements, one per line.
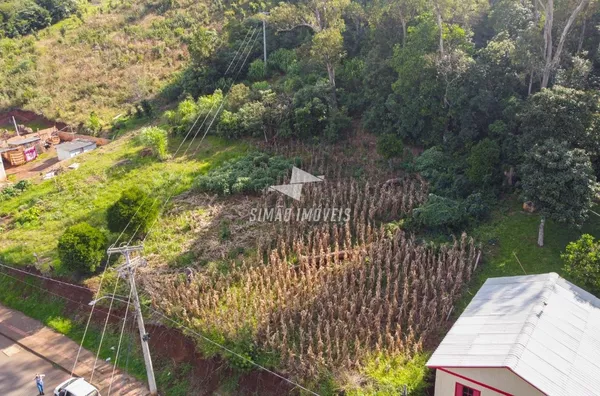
<point>81,248</point>
<point>133,213</point>
<point>251,118</point>
<point>257,70</point>
<point>390,146</point>
<point>582,262</point>
<point>184,116</point>
<point>484,163</point>
<point>261,86</point>
<point>312,106</point>
<point>13,191</point>
<point>248,174</point>
<point>238,96</point>
<point>476,208</point>
<point>439,213</point>
<point>188,110</point>
<point>282,59</point>
<point>156,139</point>
<point>22,185</point>
<point>29,216</point>
<point>229,125</point>
<point>94,124</point>
<point>338,124</point>
<point>147,108</point>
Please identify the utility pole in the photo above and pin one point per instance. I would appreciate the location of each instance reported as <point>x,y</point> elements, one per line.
<point>16,127</point>
<point>264,21</point>
<point>128,271</point>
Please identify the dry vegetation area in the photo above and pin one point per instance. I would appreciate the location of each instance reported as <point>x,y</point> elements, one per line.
<point>118,53</point>
<point>323,299</point>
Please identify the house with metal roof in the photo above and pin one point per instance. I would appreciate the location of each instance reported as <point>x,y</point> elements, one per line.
<point>522,336</point>
<point>75,147</point>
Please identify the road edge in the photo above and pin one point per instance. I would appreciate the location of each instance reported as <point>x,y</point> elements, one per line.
<point>28,349</point>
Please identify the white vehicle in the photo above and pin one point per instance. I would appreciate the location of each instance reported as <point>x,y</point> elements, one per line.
<point>76,387</point>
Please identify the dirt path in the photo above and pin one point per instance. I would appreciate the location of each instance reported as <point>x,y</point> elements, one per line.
<point>33,168</point>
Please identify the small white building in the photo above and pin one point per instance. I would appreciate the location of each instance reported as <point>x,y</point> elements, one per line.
<point>75,147</point>
<point>522,336</point>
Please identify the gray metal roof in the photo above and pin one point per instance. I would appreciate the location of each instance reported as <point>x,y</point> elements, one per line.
<point>74,145</point>
<point>542,327</point>
<point>20,142</point>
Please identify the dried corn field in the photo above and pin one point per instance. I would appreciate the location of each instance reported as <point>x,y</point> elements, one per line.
<point>325,297</point>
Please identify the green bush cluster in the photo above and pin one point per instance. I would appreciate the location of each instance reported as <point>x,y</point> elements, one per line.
<point>582,262</point>
<point>156,139</point>
<point>81,248</point>
<point>445,214</point>
<point>133,213</point>
<point>245,175</point>
<point>21,17</point>
<point>15,190</point>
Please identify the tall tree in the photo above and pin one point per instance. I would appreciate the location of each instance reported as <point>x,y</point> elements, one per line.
<point>463,12</point>
<point>565,114</point>
<point>402,10</point>
<point>552,52</point>
<point>324,18</point>
<point>560,182</point>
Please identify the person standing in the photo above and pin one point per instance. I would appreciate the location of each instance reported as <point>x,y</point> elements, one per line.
<point>39,381</point>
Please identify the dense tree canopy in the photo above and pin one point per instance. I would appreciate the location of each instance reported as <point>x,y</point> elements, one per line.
<point>559,181</point>
<point>21,17</point>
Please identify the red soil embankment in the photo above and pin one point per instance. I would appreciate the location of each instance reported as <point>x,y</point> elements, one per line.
<point>167,344</point>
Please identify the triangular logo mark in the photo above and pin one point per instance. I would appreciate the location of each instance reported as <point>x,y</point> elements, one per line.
<point>291,190</point>
<point>300,177</point>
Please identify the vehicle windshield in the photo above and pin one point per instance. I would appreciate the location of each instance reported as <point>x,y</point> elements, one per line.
<point>69,382</point>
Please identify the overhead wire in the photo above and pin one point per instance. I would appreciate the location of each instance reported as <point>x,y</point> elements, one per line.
<point>87,325</point>
<point>211,108</point>
<point>112,377</point>
<point>47,278</point>
<point>112,300</point>
<point>164,205</point>
<point>54,294</point>
<point>252,36</point>
<point>244,45</point>
<point>223,101</point>
<point>232,352</point>
<point>169,197</point>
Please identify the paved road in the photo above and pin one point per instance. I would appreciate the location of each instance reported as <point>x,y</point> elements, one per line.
<point>18,368</point>
<point>62,351</point>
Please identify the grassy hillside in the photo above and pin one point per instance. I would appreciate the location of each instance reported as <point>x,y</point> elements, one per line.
<point>511,236</point>
<point>34,220</point>
<point>109,58</point>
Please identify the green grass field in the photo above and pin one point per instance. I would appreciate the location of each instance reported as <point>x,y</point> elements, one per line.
<point>44,211</point>
<point>512,232</point>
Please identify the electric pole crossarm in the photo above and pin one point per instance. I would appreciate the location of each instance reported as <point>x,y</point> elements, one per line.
<point>125,249</point>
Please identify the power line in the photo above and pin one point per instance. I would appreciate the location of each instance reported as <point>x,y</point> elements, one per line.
<point>211,108</point>
<point>47,278</point>
<point>55,294</point>
<point>238,50</point>
<point>112,377</point>
<point>245,46</point>
<point>112,300</point>
<point>223,102</point>
<point>232,352</point>
<point>100,289</point>
<point>205,133</point>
